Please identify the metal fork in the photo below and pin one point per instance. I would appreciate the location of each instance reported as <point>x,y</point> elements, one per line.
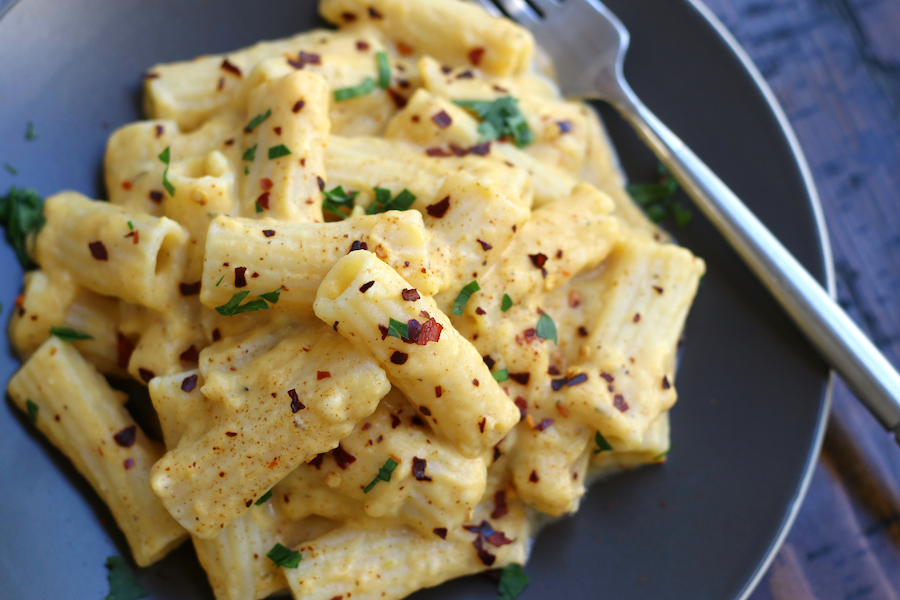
<point>587,44</point>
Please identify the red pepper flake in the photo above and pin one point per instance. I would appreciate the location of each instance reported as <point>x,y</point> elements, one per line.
<point>126,185</point>
<point>365,287</point>
<point>277,130</point>
<point>431,332</point>
<point>564,126</point>
<point>557,384</point>
<point>129,462</point>
<point>399,100</point>
<point>156,196</point>
<point>520,378</point>
<point>189,289</point>
<point>609,378</point>
<point>475,382</point>
<point>229,141</point>
<point>437,151</point>
<point>321,183</point>
<point>498,538</point>
<point>221,85</point>
<point>467,74</point>
<point>481,424</point>
<point>658,290</point>
<point>266,184</point>
<point>320,375</point>
<point>620,403</point>
<point>438,209</point>
<point>146,374</point>
<point>636,318</point>
<point>665,383</point>
<point>497,453</point>
<point>480,149</point>
<point>395,421</point>
<point>522,404</point>
<point>544,424</point>
<point>216,335</point>
<point>442,119</point>
<point>239,277</point>
<point>317,461</point>
<point>424,409</point>
<point>248,503</point>
<point>125,348</point>
<point>418,469</point>
<point>438,391</point>
<point>410,295</point>
<point>417,420</point>
<point>580,378</point>
<point>190,355</point>
<point>475,56</point>
<point>343,458</point>
<point>405,49</point>
<point>530,334</point>
<point>562,410</point>
<point>228,66</point>
<point>134,235</point>
<point>490,362</point>
<point>230,433</point>
<point>358,245</point>
<point>349,17</point>
<point>484,245</point>
<point>295,401</point>
<point>384,330</point>
<point>480,311</point>
<point>441,532</point>
<point>98,250</point>
<point>582,331</point>
<point>534,478</point>
<point>263,201</point>
<point>298,106</point>
<point>159,131</point>
<point>500,507</point>
<point>574,299</point>
<point>404,84</point>
<point>362,46</point>
<point>553,370</point>
<point>151,75</point>
<point>126,437</point>
<point>413,330</point>
<point>189,383</point>
<point>374,14</point>
<point>486,557</point>
<point>538,260</point>
<point>399,358</point>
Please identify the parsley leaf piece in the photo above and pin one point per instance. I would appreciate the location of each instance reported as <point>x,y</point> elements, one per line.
<point>122,584</point>
<point>67,334</point>
<point>403,200</point>
<point>459,305</point>
<point>383,202</point>
<point>649,193</point>
<point>29,132</point>
<point>22,214</point>
<point>337,198</point>
<point>272,296</point>
<point>384,474</point>
<point>500,118</point>
<point>602,444</point>
<point>10,169</point>
<point>348,93</point>
<point>263,498</point>
<point>250,153</point>
<point>130,226</point>
<point>546,328</point>
<point>663,454</point>
<point>166,157</point>
<point>657,199</point>
<point>384,70</point>
<point>234,306</point>
<point>284,557</point>
<point>33,410</point>
<point>656,213</point>
<point>251,306</point>
<point>398,330</point>
<point>257,121</point>
<point>246,170</point>
<point>220,280</point>
<point>501,375</point>
<point>507,303</point>
<point>513,581</point>
<point>680,213</point>
<point>278,151</point>
<point>259,208</point>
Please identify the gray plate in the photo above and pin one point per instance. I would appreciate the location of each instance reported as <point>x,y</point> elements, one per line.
<point>753,393</point>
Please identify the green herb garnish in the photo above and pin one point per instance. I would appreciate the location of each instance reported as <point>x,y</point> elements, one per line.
<point>122,584</point>
<point>398,330</point>
<point>165,156</point>
<point>663,454</point>
<point>22,214</point>
<point>278,151</point>
<point>337,198</point>
<point>513,581</point>
<point>657,199</point>
<point>68,334</point>
<point>249,154</point>
<point>384,70</point>
<point>272,296</point>
<point>546,328</point>
<point>263,498</point>
<point>348,93</point>
<point>257,121</point>
<point>459,305</point>
<point>234,306</point>
<point>284,557</point>
<point>507,303</point>
<point>32,409</point>
<point>602,444</point>
<point>259,208</point>
<point>246,170</point>
<point>384,474</point>
<point>384,203</point>
<point>500,118</point>
<point>501,375</point>
<point>220,280</point>
<point>130,226</point>
<point>29,132</point>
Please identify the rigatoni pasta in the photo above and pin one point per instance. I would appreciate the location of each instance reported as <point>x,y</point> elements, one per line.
<point>389,297</point>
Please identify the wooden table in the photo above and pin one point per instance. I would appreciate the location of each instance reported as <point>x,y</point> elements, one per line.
<point>835,67</point>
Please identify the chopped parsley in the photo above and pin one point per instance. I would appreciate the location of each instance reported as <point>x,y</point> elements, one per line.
<point>663,454</point>
<point>10,169</point>
<point>130,226</point>
<point>263,498</point>
<point>348,93</point>
<point>122,584</point>
<point>246,170</point>
<point>284,557</point>
<point>513,582</point>
<point>272,297</point>
<point>384,203</point>
<point>166,156</point>
<point>68,334</point>
<point>459,305</point>
<point>501,375</point>
<point>249,154</point>
<point>384,474</point>
<point>398,330</point>
<point>337,198</point>
<point>278,151</point>
<point>546,328</point>
<point>22,215</point>
<point>220,280</point>
<point>259,208</point>
<point>32,409</point>
<point>29,132</point>
<point>507,303</point>
<point>384,70</point>
<point>657,199</point>
<point>234,306</point>
<point>602,444</point>
<point>257,121</point>
<point>499,119</point>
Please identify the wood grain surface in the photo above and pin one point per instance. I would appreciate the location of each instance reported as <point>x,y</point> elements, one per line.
<point>835,67</point>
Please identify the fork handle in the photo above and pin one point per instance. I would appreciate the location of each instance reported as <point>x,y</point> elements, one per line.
<point>837,338</point>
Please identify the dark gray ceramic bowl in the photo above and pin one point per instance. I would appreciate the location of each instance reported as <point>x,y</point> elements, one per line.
<point>753,394</point>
